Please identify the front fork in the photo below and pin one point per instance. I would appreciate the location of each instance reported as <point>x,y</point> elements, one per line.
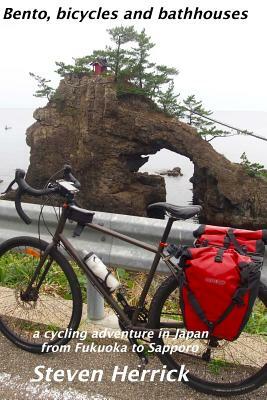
<point>26,294</point>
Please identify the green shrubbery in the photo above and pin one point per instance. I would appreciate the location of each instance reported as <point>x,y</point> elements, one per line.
<point>253,169</point>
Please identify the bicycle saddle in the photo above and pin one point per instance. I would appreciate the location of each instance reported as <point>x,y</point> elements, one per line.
<point>177,212</point>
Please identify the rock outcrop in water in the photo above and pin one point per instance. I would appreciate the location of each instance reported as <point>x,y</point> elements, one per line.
<point>174,172</point>
<point>105,137</point>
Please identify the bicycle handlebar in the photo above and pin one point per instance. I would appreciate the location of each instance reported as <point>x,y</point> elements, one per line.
<point>25,188</point>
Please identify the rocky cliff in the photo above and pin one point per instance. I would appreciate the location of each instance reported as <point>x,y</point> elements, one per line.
<point>105,138</point>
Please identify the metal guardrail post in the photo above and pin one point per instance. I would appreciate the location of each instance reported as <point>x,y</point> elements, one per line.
<point>95,303</point>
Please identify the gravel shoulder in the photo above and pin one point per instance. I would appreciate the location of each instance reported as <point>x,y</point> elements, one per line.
<point>17,370</point>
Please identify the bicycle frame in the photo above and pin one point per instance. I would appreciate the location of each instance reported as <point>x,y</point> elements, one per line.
<point>158,251</point>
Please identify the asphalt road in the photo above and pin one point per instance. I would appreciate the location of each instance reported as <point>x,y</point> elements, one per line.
<point>17,370</point>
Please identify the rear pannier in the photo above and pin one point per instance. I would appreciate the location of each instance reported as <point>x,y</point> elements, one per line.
<point>220,280</point>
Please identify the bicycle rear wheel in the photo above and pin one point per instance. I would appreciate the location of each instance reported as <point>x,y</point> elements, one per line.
<point>233,367</point>
<point>47,314</point>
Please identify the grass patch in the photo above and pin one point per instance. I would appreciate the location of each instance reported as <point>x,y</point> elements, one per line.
<point>215,366</point>
<point>16,270</point>
<point>257,323</point>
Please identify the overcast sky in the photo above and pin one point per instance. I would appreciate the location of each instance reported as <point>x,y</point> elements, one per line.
<point>223,63</point>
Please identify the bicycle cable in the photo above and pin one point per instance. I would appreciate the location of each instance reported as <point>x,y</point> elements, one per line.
<point>46,203</point>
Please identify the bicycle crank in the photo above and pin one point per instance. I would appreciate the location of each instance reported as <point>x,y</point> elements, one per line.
<point>142,318</point>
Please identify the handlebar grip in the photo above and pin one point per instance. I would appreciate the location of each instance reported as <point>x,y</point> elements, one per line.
<point>69,177</point>
<point>19,209</point>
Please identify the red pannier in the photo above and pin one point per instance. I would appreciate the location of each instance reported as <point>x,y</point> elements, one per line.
<point>220,280</point>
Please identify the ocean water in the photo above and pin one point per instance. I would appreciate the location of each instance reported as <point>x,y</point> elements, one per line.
<point>14,152</point>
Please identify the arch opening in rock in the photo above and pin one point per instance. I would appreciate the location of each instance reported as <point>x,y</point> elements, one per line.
<point>178,188</point>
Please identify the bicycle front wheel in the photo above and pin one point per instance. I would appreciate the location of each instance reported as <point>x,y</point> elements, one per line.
<point>223,368</point>
<point>46,310</point>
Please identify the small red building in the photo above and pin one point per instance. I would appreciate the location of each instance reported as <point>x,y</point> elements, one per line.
<point>100,65</point>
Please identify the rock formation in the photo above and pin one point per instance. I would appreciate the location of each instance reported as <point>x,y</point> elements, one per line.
<point>174,172</point>
<point>105,137</point>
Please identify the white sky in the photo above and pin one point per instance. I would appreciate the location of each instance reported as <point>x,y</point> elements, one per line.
<point>224,63</point>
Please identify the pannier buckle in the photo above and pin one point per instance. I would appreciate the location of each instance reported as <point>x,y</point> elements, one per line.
<point>219,256</point>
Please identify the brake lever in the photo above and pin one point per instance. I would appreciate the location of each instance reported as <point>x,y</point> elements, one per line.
<point>69,177</point>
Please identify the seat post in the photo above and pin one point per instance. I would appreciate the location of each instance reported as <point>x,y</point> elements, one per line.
<point>152,270</point>
<point>167,229</point>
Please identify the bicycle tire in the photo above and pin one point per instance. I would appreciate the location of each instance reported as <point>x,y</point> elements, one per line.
<point>14,310</point>
<point>206,386</point>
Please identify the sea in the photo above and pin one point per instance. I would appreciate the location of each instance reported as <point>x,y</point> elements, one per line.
<point>14,152</point>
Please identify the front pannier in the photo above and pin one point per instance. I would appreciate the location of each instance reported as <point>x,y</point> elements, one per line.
<point>220,281</point>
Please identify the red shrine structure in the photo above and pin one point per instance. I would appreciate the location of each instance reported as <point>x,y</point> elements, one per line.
<point>100,65</point>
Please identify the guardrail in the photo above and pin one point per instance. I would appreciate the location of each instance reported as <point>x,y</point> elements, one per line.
<point>112,251</point>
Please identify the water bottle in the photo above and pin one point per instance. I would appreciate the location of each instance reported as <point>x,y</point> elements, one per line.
<point>100,270</point>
